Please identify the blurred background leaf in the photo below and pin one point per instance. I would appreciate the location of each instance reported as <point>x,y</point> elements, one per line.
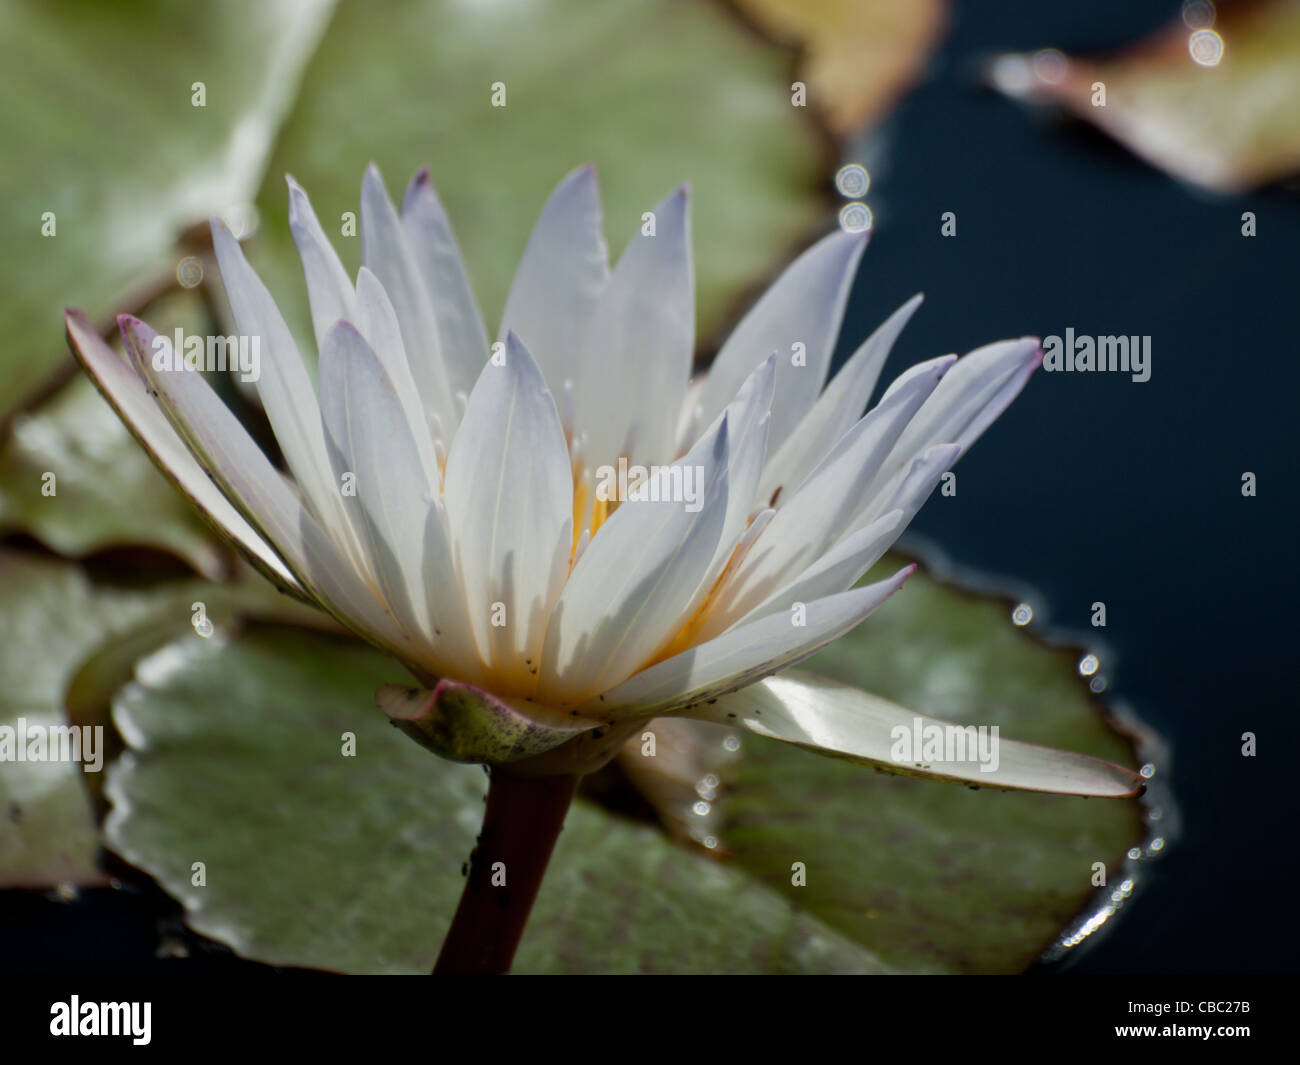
<point>105,491</point>
<point>860,55</point>
<point>107,139</point>
<point>655,92</point>
<point>1214,98</point>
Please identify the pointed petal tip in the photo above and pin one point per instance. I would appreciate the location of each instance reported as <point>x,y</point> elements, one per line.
<point>422,177</point>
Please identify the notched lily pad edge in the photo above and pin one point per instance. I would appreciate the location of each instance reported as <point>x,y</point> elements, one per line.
<point>1161,817</point>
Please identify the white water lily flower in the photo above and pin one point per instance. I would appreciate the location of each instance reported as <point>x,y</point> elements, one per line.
<point>449,499</point>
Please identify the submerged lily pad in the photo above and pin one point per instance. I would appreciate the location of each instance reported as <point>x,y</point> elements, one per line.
<point>314,856</point>
<point>1213,99</point>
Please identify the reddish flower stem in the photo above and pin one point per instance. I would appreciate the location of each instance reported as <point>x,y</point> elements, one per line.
<point>522,822</point>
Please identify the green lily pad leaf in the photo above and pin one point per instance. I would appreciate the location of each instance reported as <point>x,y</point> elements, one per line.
<point>53,616</point>
<point>110,157</point>
<point>932,876</point>
<point>73,477</point>
<point>328,839</point>
<point>1214,98</point>
<point>63,637</point>
<point>654,92</point>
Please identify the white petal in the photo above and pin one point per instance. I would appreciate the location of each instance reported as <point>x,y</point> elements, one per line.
<point>264,496</point>
<point>377,321</point>
<point>560,278</point>
<point>830,718</point>
<point>747,416</point>
<point>804,306</point>
<point>509,500</point>
<point>461,334</point>
<point>453,639</point>
<point>329,291</point>
<point>627,595</point>
<point>912,486</point>
<point>836,409</point>
<point>972,394</point>
<point>823,508</point>
<point>367,437</point>
<point>838,569</point>
<point>742,655</point>
<point>384,251</point>
<point>637,353</point>
<point>286,391</point>
<point>129,394</point>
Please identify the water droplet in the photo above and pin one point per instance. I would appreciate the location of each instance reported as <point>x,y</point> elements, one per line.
<point>1157,844</point>
<point>1135,853</point>
<point>711,842</point>
<point>1049,65</point>
<point>1088,665</point>
<point>66,891</point>
<point>1198,14</point>
<point>701,808</point>
<point>855,217</point>
<point>189,271</point>
<point>1147,771</point>
<point>1023,614</point>
<point>1097,684</point>
<point>203,626</point>
<point>732,743</point>
<point>853,181</point>
<point>1205,48</point>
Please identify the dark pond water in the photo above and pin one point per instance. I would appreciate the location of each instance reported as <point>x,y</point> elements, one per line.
<point>1097,488</point>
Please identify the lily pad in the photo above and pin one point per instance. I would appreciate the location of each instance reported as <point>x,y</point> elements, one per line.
<point>934,876</point>
<point>238,750</point>
<point>860,55</point>
<point>53,616</point>
<point>1213,99</point>
<point>74,478</point>
<point>315,857</point>
<point>108,140</point>
<point>55,620</point>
